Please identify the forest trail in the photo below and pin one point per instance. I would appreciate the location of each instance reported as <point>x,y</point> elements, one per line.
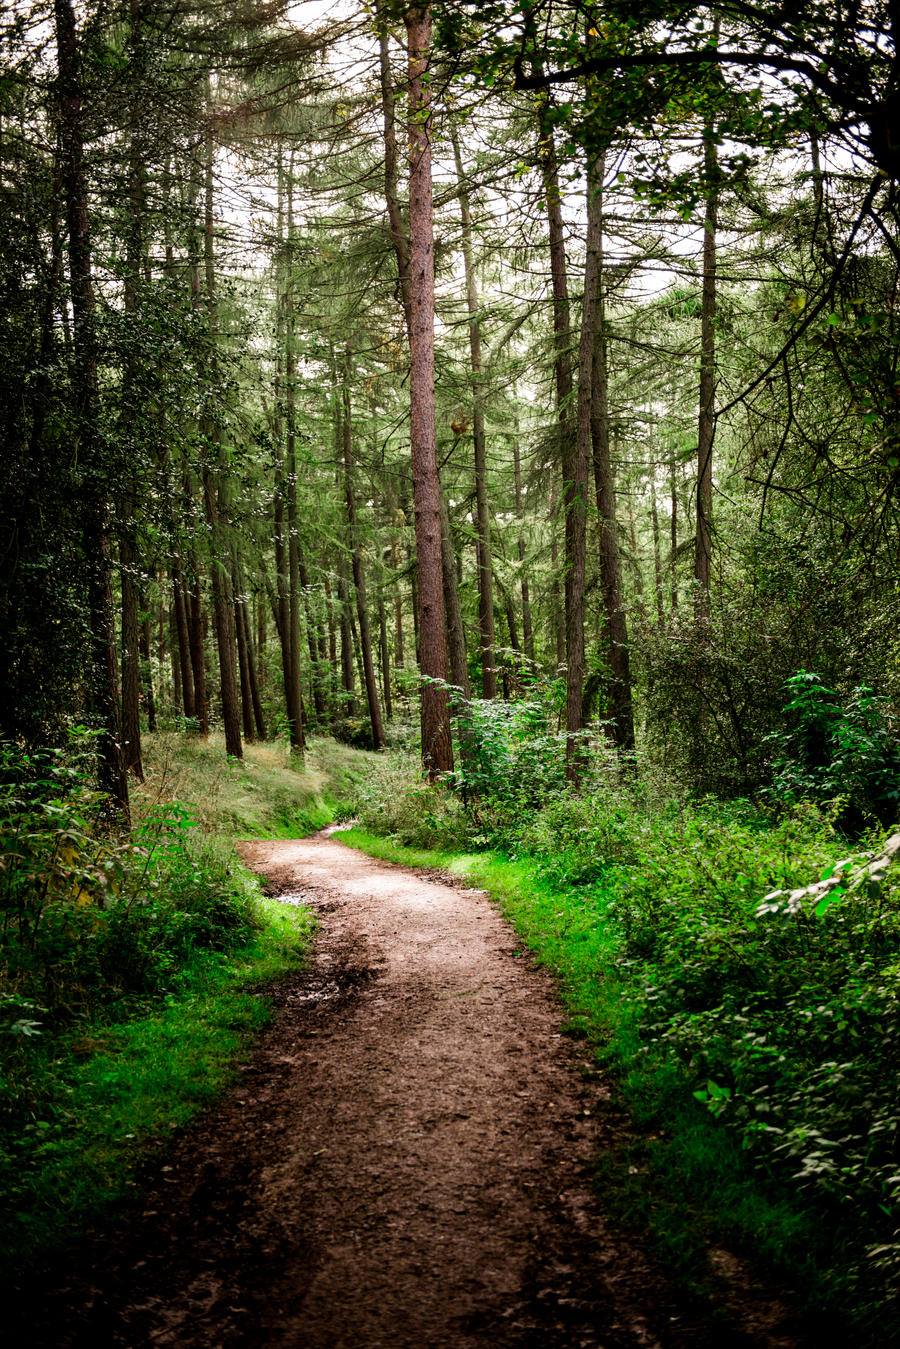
<point>404,1163</point>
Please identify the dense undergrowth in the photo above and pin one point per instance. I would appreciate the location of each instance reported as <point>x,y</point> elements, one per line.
<point>755,1037</point>
<point>126,959</point>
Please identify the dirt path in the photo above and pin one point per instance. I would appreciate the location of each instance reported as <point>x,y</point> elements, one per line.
<point>404,1164</point>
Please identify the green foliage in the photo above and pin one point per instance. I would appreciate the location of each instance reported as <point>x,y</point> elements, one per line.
<point>757,1042</point>
<point>837,751</point>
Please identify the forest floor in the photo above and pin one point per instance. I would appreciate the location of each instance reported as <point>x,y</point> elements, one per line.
<point>404,1163</point>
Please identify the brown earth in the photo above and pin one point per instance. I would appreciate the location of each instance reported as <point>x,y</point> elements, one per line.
<point>404,1164</point>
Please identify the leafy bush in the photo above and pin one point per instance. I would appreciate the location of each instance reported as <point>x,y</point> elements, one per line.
<point>841,752</point>
<point>87,917</point>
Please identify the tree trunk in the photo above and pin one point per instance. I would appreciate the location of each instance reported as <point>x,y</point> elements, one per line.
<point>147,673</point>
<point>673,532</point>
<point>198,657</point>
<point>562,341</point>
<point>437,748</point>
<point>215,501</point>
<point>385,659</point>
<point>293,542</point>
<point>243,665</point>
<point>707,424</point>
<point>483,517</point>
<point>605,488</point>
<point>131,655</point>
<point>456,633</point>
<point>575,474</point>
<point>527,630</point>
<point>179,606</point>
<point>348,682</point>
<point>103,679</point>
<point>359,579</point>
<point>657,555</point>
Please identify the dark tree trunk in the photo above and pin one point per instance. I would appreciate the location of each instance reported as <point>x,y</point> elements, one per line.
<point>456,633</point>
<point>483,516</point>
<point>437,747</point>
<point>657,555</point>
<point>575,474</point>
<point>147,674</point>
<point>348,681</point>
<point>673,536</point>
<point>179,606</point>
<point>215,501</point>
<point>293,540</point>
<point>385,660</point>
<point>198,657</point>
<point>178,665</point>
<point>605,487</point>
<point>103,680</point>
<point>131,655</point>
<point>359,579</point>
<point>527,629</point>
<point>706,423</point>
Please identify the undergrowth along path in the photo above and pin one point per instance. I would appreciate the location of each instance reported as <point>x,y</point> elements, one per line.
<point>405,1162</point>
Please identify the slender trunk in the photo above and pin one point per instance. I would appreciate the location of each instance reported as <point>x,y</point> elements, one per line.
<point>706,424</point>
<point>605,488</point>
<point>673,536</point>
<point>399,235</point>
<point>198,657</point>
<point>183,645</point>
<point>179,663</point>
<point>562,343</point>
<point>103,678</point>
<point>131,656</point>
<point>359,579</point>
<point>527,630</point>
<point>147,673</point>
<point>243,663</point>
<point>348,682</point>
<point>575,475</point>
<point>437,747</point>
<point>128,558</point>
<point>399,658</point>
<point>252,676</point>
<point>215,501</point>
<point>657,555</point>
<point>385,659</point>
<point>293,541</point>
<point>483,517</point>
<point>456,633</point>
<point>559,611</point>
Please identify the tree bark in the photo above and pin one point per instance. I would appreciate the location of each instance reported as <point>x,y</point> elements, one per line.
<point>575,475</point>
<point>103,681</point>
<point>359,578</point>
<point>657,555</point>
<point>293,539</point>
<point>437,748</point>
<point>483,517</point>
<point>605,488</point>
<point>706,423</point>
<point>527,629</point>
<point>198,657</point>
<point>456,633</point>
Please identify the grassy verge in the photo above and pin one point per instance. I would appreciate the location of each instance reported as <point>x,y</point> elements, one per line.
<point>106,1092</point>
<point>126,965</point>
<point>692,1175</point>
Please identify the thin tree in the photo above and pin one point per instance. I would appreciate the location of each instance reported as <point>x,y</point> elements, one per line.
<point>437,747</point>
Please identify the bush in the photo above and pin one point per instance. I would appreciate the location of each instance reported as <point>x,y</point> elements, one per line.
<point>844,753</point>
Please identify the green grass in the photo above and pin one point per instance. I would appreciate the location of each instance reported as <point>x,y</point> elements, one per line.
<point>111,1072</point>
<point>105,1093</point>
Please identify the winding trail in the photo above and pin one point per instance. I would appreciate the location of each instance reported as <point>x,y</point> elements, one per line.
<point>404,1164</point>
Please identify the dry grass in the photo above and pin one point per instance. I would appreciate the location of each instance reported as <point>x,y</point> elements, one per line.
<point>267,791</point>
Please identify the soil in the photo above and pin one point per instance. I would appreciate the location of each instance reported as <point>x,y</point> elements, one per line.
<point>405,1163</point>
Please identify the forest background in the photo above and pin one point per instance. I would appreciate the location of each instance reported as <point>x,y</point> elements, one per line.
<point>515,387</point>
